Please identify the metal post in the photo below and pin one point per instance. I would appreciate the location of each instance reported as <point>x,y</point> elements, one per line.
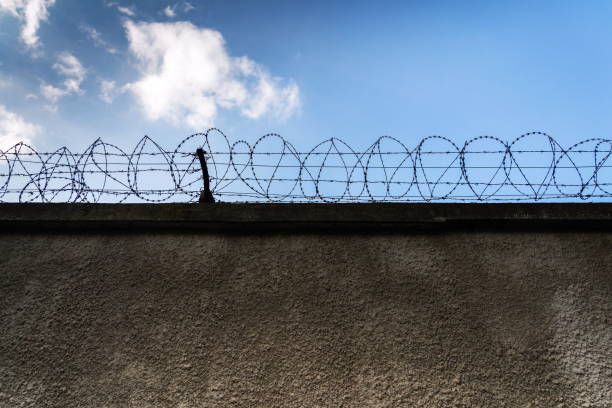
<point>206,195</point>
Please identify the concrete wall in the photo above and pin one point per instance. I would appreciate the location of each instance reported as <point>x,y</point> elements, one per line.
<point>450,306</point>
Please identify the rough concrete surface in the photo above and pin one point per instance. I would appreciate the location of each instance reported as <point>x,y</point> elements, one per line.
<point>447,319</point>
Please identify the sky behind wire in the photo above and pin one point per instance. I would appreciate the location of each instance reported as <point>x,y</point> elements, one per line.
<point>72,71</point>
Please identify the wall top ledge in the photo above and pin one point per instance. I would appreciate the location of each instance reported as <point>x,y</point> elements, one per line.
<point>291,217</point>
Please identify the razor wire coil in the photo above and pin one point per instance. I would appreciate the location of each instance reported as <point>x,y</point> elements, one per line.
<point>532,167</point>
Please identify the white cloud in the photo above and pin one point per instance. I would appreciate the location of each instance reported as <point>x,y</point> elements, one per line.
<point>51,93</point>
<point>95,36</point>
<point>187,7</point>
<point>71,68</point>
<point>169,11</point>
<point>32,12</point>
<point>14,129</point>
<point>108,91</point>
<point>126,10</point>
<point>187,75</point>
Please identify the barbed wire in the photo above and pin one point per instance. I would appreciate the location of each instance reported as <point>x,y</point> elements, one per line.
<point>532,167</point>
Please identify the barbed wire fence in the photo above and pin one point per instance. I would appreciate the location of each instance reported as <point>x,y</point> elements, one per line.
<point>532,167</point>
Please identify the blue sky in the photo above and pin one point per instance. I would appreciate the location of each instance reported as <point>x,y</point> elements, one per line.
<point>308,70</point>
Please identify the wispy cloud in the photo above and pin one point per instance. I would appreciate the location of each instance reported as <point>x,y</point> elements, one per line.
<point>96,37</point>
<point>4,81</point>
<point>15,129</point>
<point>187,7</point>
<point>108,91</point>
<point>128,11</point>
<point>32,13</point>
<point>187,75</point>
<point>74,72</point>
<point>169,11</point>
<point>172,11</point>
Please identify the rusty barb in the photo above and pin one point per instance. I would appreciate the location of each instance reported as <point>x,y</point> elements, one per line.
<point>205,195</point>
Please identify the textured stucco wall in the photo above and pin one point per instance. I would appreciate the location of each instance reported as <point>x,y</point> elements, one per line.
<point>193,319</point>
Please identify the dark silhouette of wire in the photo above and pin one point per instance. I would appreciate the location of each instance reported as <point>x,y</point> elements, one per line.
<point>532,167</point>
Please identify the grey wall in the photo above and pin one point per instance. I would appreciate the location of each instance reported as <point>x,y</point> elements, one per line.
<point>492,317</point>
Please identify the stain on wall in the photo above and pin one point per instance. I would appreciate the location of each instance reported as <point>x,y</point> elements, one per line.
<point>446,319</point>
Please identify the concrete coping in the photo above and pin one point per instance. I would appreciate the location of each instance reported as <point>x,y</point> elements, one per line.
<point>291,217</point>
